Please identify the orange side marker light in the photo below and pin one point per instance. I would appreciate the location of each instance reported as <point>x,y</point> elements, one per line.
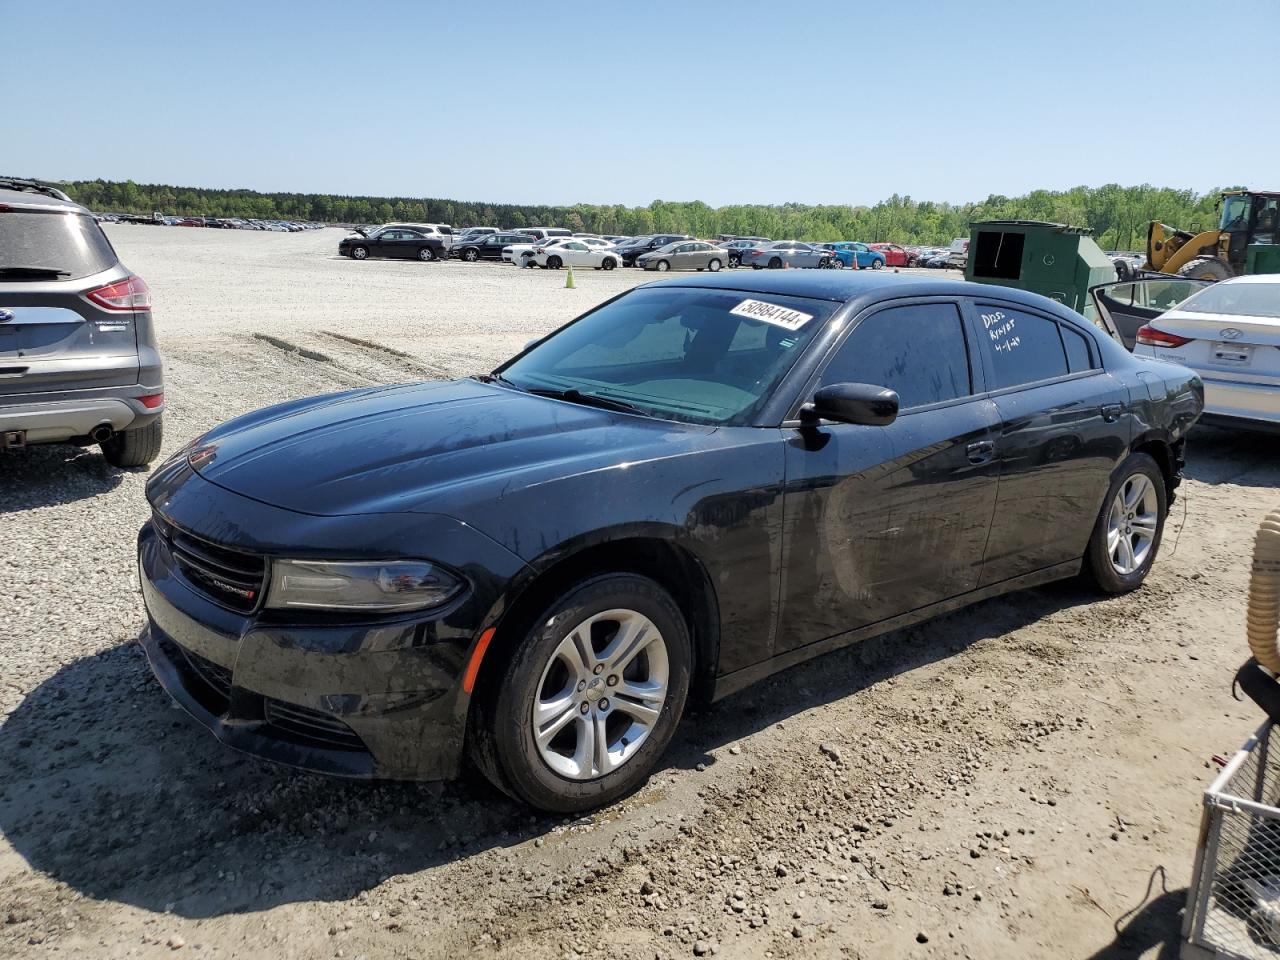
<point>473,666</point>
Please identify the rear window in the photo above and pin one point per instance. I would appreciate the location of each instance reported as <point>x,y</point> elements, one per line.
<point>1237,300</point>
<point>69,244</point>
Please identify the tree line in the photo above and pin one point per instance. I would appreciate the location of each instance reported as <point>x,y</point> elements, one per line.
<point>1118,215</point>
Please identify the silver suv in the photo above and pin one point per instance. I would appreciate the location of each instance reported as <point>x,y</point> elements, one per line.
<point>78,357</point>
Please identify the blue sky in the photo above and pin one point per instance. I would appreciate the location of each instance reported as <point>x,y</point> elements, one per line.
<point>742,102</point>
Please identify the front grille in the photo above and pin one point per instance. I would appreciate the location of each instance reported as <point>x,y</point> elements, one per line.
<point>310,726</point>
<point>217,678</point>
<point>231,578</point>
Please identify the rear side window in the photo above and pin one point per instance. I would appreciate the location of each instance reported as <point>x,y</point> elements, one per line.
<point>1078,357</point>
<point>68,246</point>
<point>917,350</point>
<point>1021,347</point>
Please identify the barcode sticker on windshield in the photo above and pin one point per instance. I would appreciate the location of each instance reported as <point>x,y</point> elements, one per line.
<point>783,317</point>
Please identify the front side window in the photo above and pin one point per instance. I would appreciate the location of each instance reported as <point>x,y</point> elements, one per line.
<point>917,350</point>
<point>1021,347</point>
<point>699,355</point>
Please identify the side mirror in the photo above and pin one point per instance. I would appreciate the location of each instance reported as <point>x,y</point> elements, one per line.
<point>859,403</point>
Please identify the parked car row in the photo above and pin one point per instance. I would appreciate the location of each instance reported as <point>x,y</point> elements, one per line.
<point>224,223</point>
<point>547,247</point>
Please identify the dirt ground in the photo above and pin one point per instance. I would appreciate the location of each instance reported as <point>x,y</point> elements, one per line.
<point>1001,782</point>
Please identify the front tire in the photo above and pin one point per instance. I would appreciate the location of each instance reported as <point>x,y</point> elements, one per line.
<point>1206,268</point>
<point>734,260</point>
<point>590,699</point>
<point>609,263</point>
<point>471,256</point>
<point>134,448</point>
<point>1126,536</point>
<point>359,253</point>
<point>663,266</point>
<point>877,264</point>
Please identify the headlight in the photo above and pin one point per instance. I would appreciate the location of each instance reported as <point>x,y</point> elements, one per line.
<point>376,586</point>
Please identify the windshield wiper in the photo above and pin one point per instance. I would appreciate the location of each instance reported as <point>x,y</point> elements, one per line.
<point>25,272</point>
<point>496,378</point>
<point>586,399</point>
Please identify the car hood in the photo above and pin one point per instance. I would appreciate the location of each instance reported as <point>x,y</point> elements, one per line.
<point>449,447</point>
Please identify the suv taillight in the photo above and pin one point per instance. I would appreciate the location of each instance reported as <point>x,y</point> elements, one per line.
<point>124,296</point>
<point>1151,337</point>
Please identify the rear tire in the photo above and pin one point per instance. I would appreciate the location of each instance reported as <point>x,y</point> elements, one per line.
<point>714,265</point>
<point>426,254</point>
<point>554,263</point>
<point>1105,554</point>
<point>136,447</point>
<point>504,744</point>
<point>1206,268</point>
<point>775,263</point>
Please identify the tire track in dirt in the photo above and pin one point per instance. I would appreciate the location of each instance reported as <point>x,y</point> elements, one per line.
<point>334,368</point>
<point>389,355</point>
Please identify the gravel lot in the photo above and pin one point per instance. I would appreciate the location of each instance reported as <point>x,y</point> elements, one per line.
<point>999,782</point>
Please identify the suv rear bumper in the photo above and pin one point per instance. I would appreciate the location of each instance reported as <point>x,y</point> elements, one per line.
<point>56,421</point>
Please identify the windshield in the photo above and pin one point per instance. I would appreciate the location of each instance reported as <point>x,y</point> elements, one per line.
<point>680,353</point>
<point>1237,300</point>
<point>1235,213</point>
<point>67,246</point>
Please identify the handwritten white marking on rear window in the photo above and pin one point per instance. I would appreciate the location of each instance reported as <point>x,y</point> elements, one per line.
<point>783,317</point>
<point>1000,329</point>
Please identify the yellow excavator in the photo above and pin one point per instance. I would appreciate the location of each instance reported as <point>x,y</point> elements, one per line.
<point>1247,240</point>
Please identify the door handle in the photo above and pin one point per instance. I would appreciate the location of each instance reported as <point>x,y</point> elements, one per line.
<point>1111,411</point>
<point>982,451</point>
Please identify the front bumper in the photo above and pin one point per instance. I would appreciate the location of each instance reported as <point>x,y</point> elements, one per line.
<point>380,698</point>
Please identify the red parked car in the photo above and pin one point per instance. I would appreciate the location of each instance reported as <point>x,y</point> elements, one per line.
<point>894,255</point>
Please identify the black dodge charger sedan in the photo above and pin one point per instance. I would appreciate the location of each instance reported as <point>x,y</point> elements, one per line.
<point>686,489</point>
<point>397,243</point>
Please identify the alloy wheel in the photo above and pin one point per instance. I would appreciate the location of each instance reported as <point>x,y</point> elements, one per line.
<point>1132,523</point>
<point>600,694</point>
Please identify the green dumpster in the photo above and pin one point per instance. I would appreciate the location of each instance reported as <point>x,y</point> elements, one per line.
<point>1262,258</point>
<point>1051,259</point>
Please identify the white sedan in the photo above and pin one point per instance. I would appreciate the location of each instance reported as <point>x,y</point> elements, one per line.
<point>521,253</point>
<point>575,252</point>
<point>1229,333</point>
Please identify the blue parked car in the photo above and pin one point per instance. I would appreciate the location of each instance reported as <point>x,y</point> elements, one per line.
<point>846,250</point>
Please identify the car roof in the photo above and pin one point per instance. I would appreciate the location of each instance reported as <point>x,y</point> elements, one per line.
<point>24,198</point>
<point>865,285</point>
